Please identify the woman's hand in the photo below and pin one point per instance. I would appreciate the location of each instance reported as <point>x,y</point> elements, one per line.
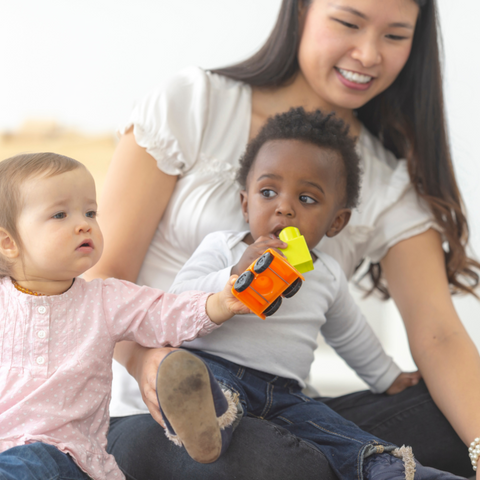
<point>256,250</point>
<point>224,305</point>
<point>403,381</point>
<point>144,370</point>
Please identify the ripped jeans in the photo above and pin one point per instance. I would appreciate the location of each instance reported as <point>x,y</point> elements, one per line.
<point>281,401</point>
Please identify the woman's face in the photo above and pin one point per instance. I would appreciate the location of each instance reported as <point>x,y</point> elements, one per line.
<point>352,50</point>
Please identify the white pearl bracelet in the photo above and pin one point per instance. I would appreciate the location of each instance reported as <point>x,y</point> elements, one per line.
<point>474,452</point>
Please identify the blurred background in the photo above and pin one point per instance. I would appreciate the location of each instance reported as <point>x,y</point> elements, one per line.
<point>72,70</point>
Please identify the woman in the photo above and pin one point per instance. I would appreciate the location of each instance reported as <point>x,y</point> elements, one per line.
<point>171,182</point>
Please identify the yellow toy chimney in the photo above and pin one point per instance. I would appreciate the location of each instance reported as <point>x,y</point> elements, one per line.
<point>297,252</point>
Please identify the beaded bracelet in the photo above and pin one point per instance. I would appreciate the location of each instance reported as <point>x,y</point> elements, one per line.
<point>474,452</point>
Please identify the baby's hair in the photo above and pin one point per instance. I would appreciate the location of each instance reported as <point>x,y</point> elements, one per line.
<point>326,131</point>
<point>15,171</point>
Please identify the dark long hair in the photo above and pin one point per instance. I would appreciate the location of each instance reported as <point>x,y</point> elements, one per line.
<point>408,118</point>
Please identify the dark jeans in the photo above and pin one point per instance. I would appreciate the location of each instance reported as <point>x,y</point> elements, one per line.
<point>261,450</point>
<point>281,401</point>
<point>408,418</point>
<point>38,461</point>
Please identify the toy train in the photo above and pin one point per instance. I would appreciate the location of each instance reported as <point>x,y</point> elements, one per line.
<point>263,284</point>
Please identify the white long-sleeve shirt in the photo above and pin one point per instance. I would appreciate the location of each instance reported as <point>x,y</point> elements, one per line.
<point>284,343</point>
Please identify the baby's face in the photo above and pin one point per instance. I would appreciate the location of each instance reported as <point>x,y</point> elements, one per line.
<point>298,184</point>
<point>58,227</point>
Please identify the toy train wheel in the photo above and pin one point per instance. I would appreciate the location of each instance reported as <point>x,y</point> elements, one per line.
<point>273,307</point>
<point>243,281</point>
<point>293,288</point>
<point>263,262</point>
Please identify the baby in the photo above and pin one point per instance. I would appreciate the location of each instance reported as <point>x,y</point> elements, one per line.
<point>58,332</point>
<point>301,170</point>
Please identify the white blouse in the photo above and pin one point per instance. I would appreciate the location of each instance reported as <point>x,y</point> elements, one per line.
<point>196,126</point>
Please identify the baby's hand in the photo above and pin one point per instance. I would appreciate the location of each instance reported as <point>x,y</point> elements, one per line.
<point>256,250</point>
<point>224,305</point>
<point>403,381</point>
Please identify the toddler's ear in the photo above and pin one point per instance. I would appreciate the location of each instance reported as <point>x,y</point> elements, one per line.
<point>244,203</point>
<point>8,246</point>
<point>341,219</point>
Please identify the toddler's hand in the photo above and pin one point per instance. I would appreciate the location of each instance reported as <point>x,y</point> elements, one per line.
<point>256,250</point>
<point>224,305</point>
<point>403,381</point>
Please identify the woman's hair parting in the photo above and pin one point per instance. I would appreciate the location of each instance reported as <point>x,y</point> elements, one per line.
<point>14,171</point>
<point>326,131</point>
<point>408,118</point>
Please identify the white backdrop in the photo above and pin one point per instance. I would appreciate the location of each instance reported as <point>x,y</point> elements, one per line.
<point>84,63</point>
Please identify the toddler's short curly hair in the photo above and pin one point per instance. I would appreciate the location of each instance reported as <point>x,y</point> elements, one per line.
<point>326,131</point>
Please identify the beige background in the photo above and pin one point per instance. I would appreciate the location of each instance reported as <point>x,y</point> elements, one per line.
<point>94,151</point>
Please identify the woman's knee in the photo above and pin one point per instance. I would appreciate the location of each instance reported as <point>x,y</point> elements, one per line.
<point>259,451</point>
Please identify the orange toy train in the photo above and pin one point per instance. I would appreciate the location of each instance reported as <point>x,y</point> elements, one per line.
<point>271,277</point>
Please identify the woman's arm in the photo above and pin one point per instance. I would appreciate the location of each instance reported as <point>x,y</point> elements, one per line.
<point>442,349</point>
<point>135,195</point>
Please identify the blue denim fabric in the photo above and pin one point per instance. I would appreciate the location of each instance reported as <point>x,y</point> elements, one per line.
<point>38,461</point>
<point>407,418</point>
<point>259,450</point>
<point>281,401</point>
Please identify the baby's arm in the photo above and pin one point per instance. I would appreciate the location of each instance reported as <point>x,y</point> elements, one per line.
<point>348,332</point>
<point>208,269</point>
<point>154,318</point>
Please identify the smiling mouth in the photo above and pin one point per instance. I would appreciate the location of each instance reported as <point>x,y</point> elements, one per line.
<point>354,77</point>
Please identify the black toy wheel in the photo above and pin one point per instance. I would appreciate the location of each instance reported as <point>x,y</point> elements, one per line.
<point>263,262</point>
<point>293,288</point>
<point>243,281</point>
<point>273,307</point>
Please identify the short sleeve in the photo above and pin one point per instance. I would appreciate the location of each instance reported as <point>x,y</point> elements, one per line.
<point>389,210</point>
<point>405,218</point>
<point>169,122</point>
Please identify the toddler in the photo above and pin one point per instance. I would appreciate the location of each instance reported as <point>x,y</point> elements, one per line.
<point>301,170</point>
<point>58,332</point>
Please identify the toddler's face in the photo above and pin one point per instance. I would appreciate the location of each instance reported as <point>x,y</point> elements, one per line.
<point>295,184</point>
<point>57,225</point>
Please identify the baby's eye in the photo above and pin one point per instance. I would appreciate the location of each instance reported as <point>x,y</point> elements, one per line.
<point>60,215</point>
<point>268,193</point>
<point>91,214</point>
<point>307,199</point>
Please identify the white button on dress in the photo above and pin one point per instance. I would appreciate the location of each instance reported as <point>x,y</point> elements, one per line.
<point>40,360</point>
<point>42,309</point>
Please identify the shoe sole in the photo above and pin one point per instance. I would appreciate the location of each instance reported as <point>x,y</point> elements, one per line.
<point>184,392</point>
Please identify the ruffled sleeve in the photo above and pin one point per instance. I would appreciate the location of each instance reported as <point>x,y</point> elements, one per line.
<point>399,213</point>
<point>407,217</point>
<point>389,209</point>
<point>169,122</point>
